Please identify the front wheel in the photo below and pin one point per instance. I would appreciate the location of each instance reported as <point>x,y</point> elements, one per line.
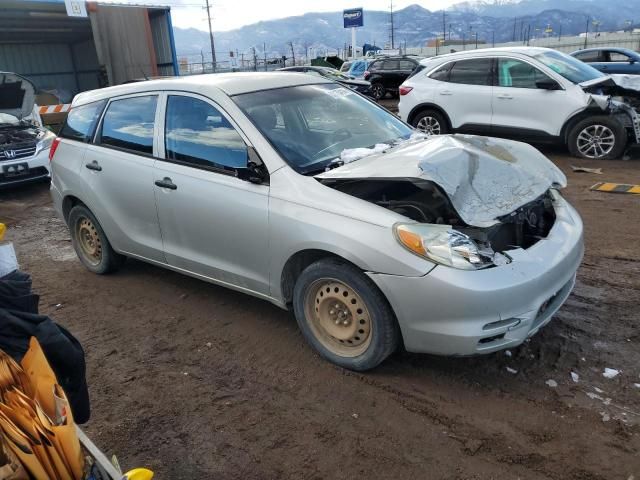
<point>430,122</point>
<point>378,91</point>
<point>344,316</point>
<point>90,242</point>
<point>597,137</point>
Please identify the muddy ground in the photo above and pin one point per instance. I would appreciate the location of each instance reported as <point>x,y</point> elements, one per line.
<point>195,381</point>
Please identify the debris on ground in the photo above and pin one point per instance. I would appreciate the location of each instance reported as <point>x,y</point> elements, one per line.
<point>586,170</point>
<point>575,377</point>
<point>551,383</point>
<point>512,370</point>
<point>610,373</point>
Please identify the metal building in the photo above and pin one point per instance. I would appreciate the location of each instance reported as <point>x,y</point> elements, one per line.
<point>113,44</point>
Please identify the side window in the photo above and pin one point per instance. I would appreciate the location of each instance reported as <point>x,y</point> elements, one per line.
<point>517,74</point>
<point>128,123</point>
<point>391,65</point>
<point>442,74</point>
<point>593,56</point>
<point>197,133</point>
<point>618,57</point>
<point>375,66</point>
<point>407,65</point>
<point>81,121</point>
<point>476,71</point>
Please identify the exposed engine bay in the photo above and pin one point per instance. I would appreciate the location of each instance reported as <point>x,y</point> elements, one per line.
<point>20,135</point>
<point>425,202</point>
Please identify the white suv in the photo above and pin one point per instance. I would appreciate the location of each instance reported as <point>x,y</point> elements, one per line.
<point>536,94</point>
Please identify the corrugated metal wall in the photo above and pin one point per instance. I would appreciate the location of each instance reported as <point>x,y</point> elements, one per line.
<point>162,42</point>
<point>52,66</point>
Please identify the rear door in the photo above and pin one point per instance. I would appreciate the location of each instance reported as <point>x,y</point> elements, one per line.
<point>118,176</point>
<point>213,223</point>
<point>521,107</point>
<point>595,58</point>
<point>618,62</point>
<point>464,92</point>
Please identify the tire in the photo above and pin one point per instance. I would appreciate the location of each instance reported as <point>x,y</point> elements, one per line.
<point>90,242</point>
<point>430,122</point>
<point>608,134</point>
<point>378,91</point>
<point>344,316</point>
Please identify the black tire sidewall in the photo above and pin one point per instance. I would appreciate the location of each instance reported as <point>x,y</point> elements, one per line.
<point>385,332</point>
<point>110,260</point>
<point>619,132</point>
<point>444,128</point>
<point>375,88</point>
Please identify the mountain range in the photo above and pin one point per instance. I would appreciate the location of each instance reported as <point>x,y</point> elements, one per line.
<point>499,20</point>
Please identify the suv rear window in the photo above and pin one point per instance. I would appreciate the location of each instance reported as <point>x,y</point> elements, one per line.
<point>476,71</point>
<point>128,124</point>
<point>407,65</point>
<point>81,121</point>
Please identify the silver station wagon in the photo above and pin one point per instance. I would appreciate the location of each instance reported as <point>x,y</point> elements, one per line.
<point>302,192</point>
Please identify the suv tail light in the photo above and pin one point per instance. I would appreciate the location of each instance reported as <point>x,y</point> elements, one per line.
<point>404,90</point>
<point>366,74</point>
<point>54,146</point>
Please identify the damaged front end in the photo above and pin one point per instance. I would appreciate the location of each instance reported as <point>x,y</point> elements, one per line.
<point>468,200</point>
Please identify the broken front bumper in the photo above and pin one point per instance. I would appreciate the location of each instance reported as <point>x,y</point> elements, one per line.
<point>458,312</point>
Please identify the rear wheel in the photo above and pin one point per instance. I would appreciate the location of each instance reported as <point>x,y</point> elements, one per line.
<point>344,316</point>
<point>90,242</point>
<point>430,122</point>
<point>378,91</point>
<point>598,137</point>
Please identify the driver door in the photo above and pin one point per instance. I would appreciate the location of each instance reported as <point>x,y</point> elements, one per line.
<point>213,223</point>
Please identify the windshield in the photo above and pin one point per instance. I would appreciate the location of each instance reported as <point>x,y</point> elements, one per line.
<point>311,125</point>
<point>569,67</point>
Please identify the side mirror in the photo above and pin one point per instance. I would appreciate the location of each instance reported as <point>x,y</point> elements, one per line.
<point>547,84</point>
<point>255,171</point>
<point>632,61</point>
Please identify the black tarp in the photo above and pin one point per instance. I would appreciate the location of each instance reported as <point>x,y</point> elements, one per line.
<point>19,321</point>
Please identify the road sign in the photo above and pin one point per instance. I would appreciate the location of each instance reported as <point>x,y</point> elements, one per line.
<point>353,17</point>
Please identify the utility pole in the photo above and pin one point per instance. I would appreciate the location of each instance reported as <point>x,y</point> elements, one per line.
<point>560,32</point>
<point>515,20</point>
<point>213,50</point>
<point>202,59</point>
<point>242,61</point>
<point>264,51</point>
<point>293,54</point>
<point>444,26</point>
<point>392,34</point>
<point>493,39</point>
<point>255,59</point>
<point>586,33</point>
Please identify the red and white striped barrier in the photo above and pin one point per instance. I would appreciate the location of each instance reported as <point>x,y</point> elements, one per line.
<point>62,108</point>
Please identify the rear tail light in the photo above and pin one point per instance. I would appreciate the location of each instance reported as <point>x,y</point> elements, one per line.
<point>404,90</point>
<point>366,74</point>
<point>54,146</point>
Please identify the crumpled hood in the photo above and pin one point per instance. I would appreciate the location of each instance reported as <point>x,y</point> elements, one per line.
<point>485,178</point>
<point>17,95</point>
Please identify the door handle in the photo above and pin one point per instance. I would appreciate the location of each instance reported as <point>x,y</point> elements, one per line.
<point>446,92</point>
<point>95,166</point>
<point>505,97</point>
<point>166,183</point>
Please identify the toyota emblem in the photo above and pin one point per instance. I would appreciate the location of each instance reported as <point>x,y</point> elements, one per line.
<point>10,153</point>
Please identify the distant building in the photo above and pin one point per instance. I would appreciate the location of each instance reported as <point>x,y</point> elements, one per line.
<point>454,42</point>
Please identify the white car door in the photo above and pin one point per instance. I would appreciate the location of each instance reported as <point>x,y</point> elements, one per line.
<point>213,223</point>
<point>528,102</point>
<point>464,92</point>
<point>117,171</point>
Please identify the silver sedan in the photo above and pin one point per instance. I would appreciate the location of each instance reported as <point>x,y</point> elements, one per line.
<point>302,192</point>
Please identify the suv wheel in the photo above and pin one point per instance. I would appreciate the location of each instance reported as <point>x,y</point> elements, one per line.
<point>430,122</point>
<point>598,137</point>
<point>378,91</point>
<point>344,316</point>
<point>90,242</point>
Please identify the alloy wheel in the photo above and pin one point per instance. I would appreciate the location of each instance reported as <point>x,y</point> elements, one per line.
<point>429,125</point>
<point>378,91</point>
<point>596,141</point>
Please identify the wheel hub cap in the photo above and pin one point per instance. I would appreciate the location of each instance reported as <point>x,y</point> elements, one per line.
<point>339,317</point>
<point>429,125</point>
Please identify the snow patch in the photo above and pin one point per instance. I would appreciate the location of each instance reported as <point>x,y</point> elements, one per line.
<point>551,383</point>
<point>610,373</point>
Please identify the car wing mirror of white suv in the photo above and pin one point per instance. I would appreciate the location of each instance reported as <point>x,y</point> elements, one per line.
<point>547,84</point>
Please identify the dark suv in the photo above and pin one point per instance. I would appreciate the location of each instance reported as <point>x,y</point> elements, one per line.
<point>387,74</point>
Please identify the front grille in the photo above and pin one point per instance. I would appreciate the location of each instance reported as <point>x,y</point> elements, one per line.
<point>8,154</point>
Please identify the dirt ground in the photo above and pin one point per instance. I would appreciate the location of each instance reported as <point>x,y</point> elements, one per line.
<point>195,381</point>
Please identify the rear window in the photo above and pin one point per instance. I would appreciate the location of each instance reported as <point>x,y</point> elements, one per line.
<point>128,124</point>
<point>81,121</point>
<point>407,65</point>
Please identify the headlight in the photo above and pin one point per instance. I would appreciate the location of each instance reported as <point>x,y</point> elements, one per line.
<point>46,141</point>
<point>442,244</point>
